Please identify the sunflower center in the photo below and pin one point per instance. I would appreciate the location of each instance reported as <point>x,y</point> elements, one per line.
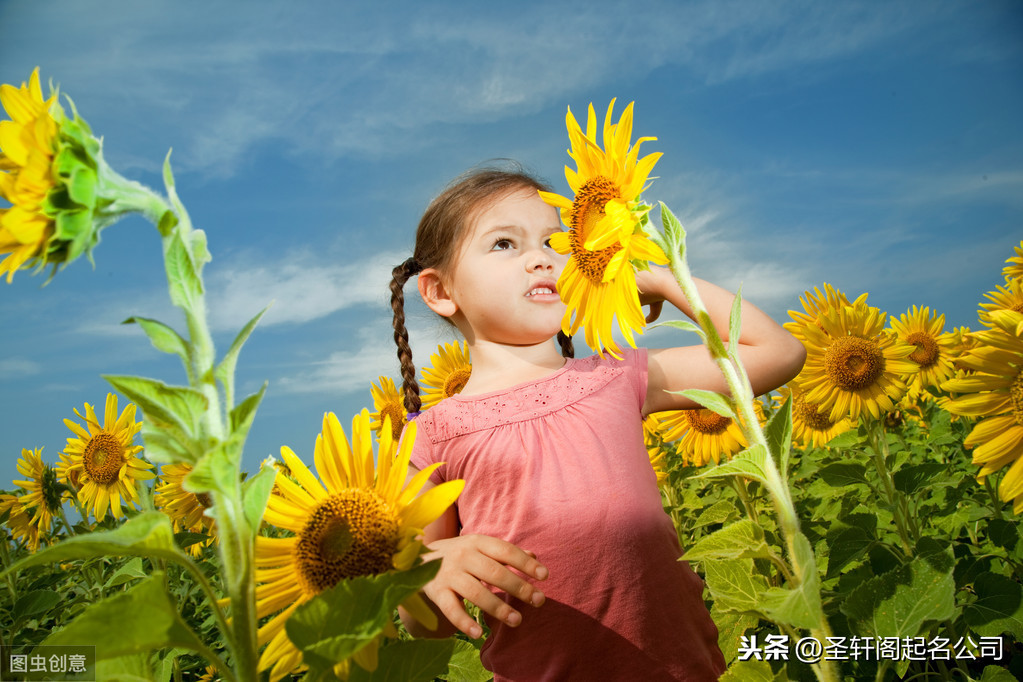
<point>1016,397</point>
<point>926,353</point>
<point>853,363</point>
<point>204,500</point>
<point>705,421</point>
<point>587,209</point>
<point>397,415</point>
<point>811,415</point>
<point>103,458</point>
<point>48,487</point>
<point>351,533</point>
<point>456,382</point>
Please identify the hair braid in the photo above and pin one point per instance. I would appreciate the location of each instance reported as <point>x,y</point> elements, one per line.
<point>565,341</point>
<point>399,276</point>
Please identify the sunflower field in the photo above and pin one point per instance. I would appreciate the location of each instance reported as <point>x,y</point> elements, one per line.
<point>860,523</point>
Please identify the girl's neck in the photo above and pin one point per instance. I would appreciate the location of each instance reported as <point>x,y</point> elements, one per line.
<point>497,366</point>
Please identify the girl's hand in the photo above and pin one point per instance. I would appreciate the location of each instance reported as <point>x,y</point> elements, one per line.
<point>471,562</point>
<point>651,292</point>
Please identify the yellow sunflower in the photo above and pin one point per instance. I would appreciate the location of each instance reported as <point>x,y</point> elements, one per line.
<point>389,405</point>
<point>1014,264</point>
<point>1009,297</point>
<point>19,520</point>
<point>653,439</point>
<point>811,427</point>
<point>994,394</point>
<point>447,374</point>
<point>814,304</point>
<point>186,509</point>
<point>357,521</point>
<point>27,147</point>
<point>853,365</point>
<point>43,492</point>
<point>101,460</point>
<point>704,435</point>
<point>605,233</point>
<point>934,349</point>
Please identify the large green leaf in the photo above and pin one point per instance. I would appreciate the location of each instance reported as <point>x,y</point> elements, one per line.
<point>177,406</point>
<point>465,664</point>
<point>242,416</point>
<point>800,607</point>
<point>225,370</point>
<point>163,337</point>
<point>420,660</point>
<point>719,512</point>
<point>215,471</point>
<point>731,627</point>
<point>742,539</point>
<point>338,622</point>
<point>748,463</point>
<point>998,608</point>
<point>148,534</point>
<point>752,671</point>
<point>849,540</point>
<point>145,618</point>
<point>184,284</point>
<point>841,474</point>
<point>910,479</point>
<point>734,584</point>
<point>256,493</point>
<point>715,402</point>
<point>778,433</point>
<point>674,233</point>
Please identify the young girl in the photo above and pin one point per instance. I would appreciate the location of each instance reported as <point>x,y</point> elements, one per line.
<point>559,537</point>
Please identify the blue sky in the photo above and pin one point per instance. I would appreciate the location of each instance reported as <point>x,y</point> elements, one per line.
<point>874,146</point>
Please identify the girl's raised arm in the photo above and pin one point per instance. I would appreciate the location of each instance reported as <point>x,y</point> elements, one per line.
<point>770,354</point>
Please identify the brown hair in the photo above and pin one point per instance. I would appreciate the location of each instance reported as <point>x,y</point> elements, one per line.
<point>440,232</point>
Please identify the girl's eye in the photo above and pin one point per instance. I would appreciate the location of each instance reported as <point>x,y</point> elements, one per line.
<point>501,244</point>
<point>547,243</point>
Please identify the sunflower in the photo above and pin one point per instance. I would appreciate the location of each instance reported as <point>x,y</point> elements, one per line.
<point>811,427</point>
<point>933,351</point>
<point>994,394</point>
<point>605,234</point>
<point>186,509</point>
<point>705,435</point>
<point>19,520</point>
<point>653,439</point>
<point>101,461</point>
<point>1009,297</point>
<point>853,365</point>
<point>449,371</point>
<point>814,304</point>
<point>389,405</point>
<point>43,492</point>
<point>1014,264</point>
<point>355,522</point>
<point>27,147</point>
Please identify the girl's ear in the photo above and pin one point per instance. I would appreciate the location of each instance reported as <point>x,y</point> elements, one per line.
<point>435,294</point>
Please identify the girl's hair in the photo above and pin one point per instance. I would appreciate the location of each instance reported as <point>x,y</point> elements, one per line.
<point>441,231</point>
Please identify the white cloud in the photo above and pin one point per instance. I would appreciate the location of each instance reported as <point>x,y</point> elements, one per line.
<point>18,367</point>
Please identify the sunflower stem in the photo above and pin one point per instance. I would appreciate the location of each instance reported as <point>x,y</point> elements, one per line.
<point>879,455</point>
<point>996,503</point>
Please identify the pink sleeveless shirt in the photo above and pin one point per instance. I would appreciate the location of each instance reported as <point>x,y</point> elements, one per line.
<point>558,467</point>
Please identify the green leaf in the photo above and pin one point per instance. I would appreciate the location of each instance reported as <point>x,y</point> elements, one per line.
<point>146,619</point>
<point>420,660</point>
<point>734,584</point>
<point>130,571</point>
<point>719,512</point>
<point>800,607</point>
<point>684,325</point>
<point>256,493</point>
<point>225,370</point>
<point>163,337</point>
<point>913,478</point>
<point>996,673</point>
<point>841,474</point>
<point>845,440</point>
<point>147,534</point>
<point>338,622</point>
<point>899,602</point>
<point>215,471</point>
<point>134,668</point>
<point>674,233</point>
<point>183,281</point>
<point>168,221</point>
<point>1003,533</point>
<point>731,627</point>
<point>715,402</point>
<point>35,602</point>
<point>735,322</point>
<point>742,539</point>
<point>752,671</point>
<point>748,463</point>
<point>998,609</point>
<point>200,252</point>
<point>242,415</point>
<point>168,444</point>
<point>465,664</point>
<point>178,406</point>
<point>778,433</point>
<point>850,540</point>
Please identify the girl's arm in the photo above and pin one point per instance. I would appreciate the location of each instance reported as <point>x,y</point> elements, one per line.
<point>466,562</point>
<point>770,354</point>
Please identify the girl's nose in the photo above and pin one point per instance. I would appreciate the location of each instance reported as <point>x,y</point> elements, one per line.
<point>540,259</point>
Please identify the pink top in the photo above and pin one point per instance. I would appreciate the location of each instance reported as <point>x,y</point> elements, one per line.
<point>558,467</point>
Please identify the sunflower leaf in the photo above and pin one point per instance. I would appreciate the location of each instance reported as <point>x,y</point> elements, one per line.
<point>748,463</point>
<point>742,539</point>
<point>735,585</point>
<point>178,406</point>
<point>183,281</point>
<point>715,402</point>
<point>684,325</point>
<point>800,607</point>
<point>225,370</point>
<point>419,660</point>
<point>256,494</point>
<point>243,414</point>
<point>342,620</point>
<point>674,234</point>
<point>164,338</point>
<point>735,323</point>
<point>778,433</point>
<point>214,471</point>
<point>464,664</point>
<point>146,619</point>
<point>998,609</point>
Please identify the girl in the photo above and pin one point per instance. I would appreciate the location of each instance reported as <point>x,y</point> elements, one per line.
<point>559,537</point>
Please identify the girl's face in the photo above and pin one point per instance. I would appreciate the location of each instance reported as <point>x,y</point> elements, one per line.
<point>504,282</point>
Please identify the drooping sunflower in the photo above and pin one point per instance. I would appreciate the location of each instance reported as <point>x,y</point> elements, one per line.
<point>994,394</point>
<point>1014,264</point>
<point>853,365</point>
<point>101,461</point>
<point>27,147</point>
<point>1008,297</point>
<point>447,373</point>
<point>185,508</point>
<point>353,520</point>
<point>604,230</point>
<point>934,348</point>
<point>43,493</point>
<point>389,406</point>
<point>653,439</point>
<point>704,435</point>
<point>814,304</point>
<point>811,427</point>
<point>19,520</point>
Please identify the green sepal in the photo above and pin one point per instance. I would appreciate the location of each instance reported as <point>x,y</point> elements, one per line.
<point>749,463</point>
<point>800,607</point>
<point>338,622</point>
<point>739,540</point>
<point>778,433</point>
<point>146,619</point>
<point>256,493</point>
<point>715,402</point>
<point>225,369</point>
<point>418,660</point>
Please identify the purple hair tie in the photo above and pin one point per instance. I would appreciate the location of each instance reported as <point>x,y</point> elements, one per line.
<point>413,415</point>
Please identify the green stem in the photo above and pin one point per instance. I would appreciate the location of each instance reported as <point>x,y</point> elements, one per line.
<point>879,455</point>
<point>996,503</point>
<point>741,489</point>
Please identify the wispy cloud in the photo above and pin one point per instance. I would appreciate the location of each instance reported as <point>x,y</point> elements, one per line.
<point>18,367</point>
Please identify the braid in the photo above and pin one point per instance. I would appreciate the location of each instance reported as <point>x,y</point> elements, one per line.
<point>565,341</point>
<point>399,276</point>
